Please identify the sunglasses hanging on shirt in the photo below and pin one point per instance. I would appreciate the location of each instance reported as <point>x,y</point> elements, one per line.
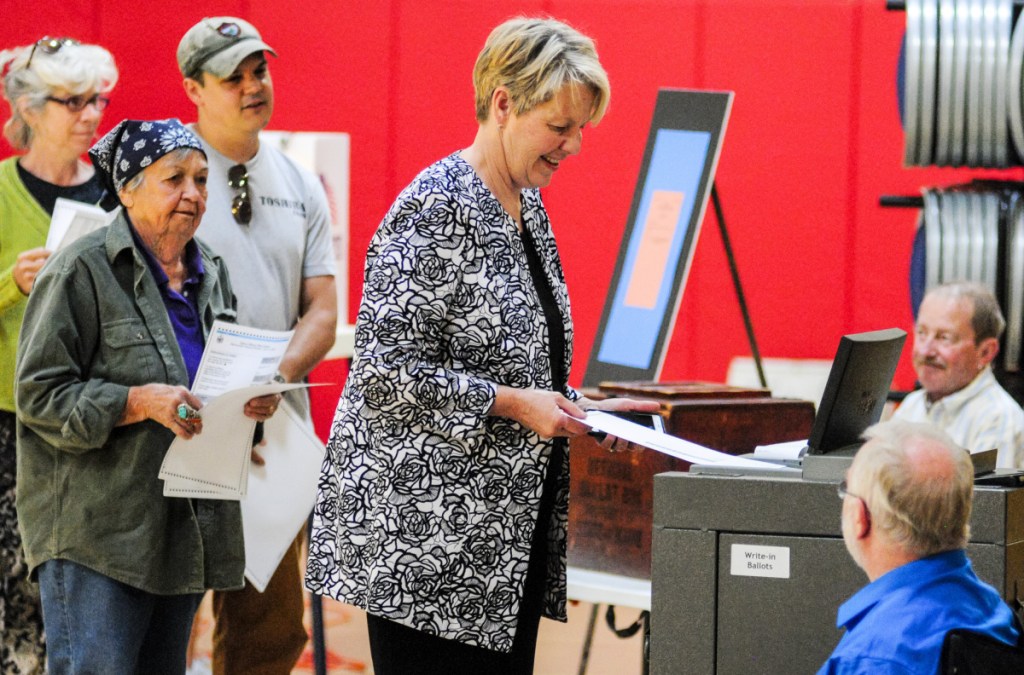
<point>241,205</point>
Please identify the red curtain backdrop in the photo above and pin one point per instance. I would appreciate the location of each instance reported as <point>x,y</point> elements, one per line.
<point>813,141</point>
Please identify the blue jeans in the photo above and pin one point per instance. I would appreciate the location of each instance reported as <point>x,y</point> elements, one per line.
<point>95,624</point>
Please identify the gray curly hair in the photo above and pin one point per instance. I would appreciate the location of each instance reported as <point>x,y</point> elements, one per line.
<point>73,67</point>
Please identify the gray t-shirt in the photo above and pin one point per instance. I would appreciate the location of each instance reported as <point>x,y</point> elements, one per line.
<point>287,240</point>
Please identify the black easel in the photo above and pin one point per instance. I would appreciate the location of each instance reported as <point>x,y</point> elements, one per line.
<point>740,297</point>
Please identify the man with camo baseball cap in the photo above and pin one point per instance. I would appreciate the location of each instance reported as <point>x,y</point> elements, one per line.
<point>217,45</point>
<point>269,219</point>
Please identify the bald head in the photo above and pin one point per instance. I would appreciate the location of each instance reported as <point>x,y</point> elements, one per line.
<point>917,484</point>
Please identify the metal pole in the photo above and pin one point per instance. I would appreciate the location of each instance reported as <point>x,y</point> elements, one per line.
<point>588,640</point>
<point>316,608</point>
<point>717,203</point>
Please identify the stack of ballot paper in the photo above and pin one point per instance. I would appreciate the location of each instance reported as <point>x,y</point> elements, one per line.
<point>662,442</point>
<point>276,498</point>
<point>237,365</point>
<point>790,451</point>
<point>215,464</point>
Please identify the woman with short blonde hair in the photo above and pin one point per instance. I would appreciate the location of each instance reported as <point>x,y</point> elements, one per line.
<point>443,501</point>
<point>534,59</point>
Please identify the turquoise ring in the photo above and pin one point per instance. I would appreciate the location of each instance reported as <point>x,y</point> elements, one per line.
<point>186,412</point>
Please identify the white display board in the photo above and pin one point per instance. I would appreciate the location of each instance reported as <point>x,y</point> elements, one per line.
<point>327,154</point>
<point>661,233</point>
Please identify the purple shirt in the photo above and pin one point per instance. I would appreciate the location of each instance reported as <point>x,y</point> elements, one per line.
<point>182,308</point>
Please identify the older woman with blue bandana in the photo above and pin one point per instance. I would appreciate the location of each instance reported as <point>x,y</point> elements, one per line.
<point>112,338</point>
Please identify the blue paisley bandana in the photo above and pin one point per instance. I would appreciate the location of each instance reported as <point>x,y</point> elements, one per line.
<point>133,145</point>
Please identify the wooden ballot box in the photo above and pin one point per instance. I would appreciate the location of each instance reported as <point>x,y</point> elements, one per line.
<point>611,498</point>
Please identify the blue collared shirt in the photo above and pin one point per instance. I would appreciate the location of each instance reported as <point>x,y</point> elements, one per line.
<point>182,309</point>
<point>897,623</point>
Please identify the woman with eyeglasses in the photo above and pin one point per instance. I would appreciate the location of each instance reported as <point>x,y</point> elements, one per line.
<point>443,501</point>
<point>57,90</point>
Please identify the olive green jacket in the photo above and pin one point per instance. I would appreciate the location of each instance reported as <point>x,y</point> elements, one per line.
<point>88,490</point>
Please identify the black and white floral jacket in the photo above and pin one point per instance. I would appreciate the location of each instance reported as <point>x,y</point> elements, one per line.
<point>426,506</point>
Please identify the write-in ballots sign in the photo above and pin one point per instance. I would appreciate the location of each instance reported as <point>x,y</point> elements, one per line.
<point>657,247</point>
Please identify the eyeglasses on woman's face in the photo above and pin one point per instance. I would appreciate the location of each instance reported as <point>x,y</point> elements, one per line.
<point>77,103</point>
<point>49,46</point>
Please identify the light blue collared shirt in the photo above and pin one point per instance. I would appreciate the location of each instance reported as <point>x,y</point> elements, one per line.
<point>981,416</point>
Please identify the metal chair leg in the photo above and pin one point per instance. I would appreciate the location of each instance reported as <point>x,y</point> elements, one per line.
<point>588,640</point>
<point>646,665</point>
<point>319,645</point>
<point>316,608</point>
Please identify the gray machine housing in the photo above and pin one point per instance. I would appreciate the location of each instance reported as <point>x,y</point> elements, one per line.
<point>705,620</point>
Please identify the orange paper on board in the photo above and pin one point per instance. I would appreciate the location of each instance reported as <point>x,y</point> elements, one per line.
<point>655,245</point>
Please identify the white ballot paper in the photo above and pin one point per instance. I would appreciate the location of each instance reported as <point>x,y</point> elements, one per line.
<point>237,365</point>
<point>215,463</point>
<point>787,450</point>
<point>669,445</point>
<point>238,356</point>
<point>73,219</point>
<point>274,511</point>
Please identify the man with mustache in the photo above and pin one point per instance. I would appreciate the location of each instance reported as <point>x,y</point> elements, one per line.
<point>270,221</point>
<point>956,337</point>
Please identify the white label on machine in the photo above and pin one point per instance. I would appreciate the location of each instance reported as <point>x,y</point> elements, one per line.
<point>759,561</point>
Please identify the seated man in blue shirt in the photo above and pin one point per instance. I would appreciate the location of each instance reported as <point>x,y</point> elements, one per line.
<point>906,507</point>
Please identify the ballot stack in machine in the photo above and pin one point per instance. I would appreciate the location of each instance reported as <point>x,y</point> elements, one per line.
<point>611,501</point>
<point>748,572</point>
